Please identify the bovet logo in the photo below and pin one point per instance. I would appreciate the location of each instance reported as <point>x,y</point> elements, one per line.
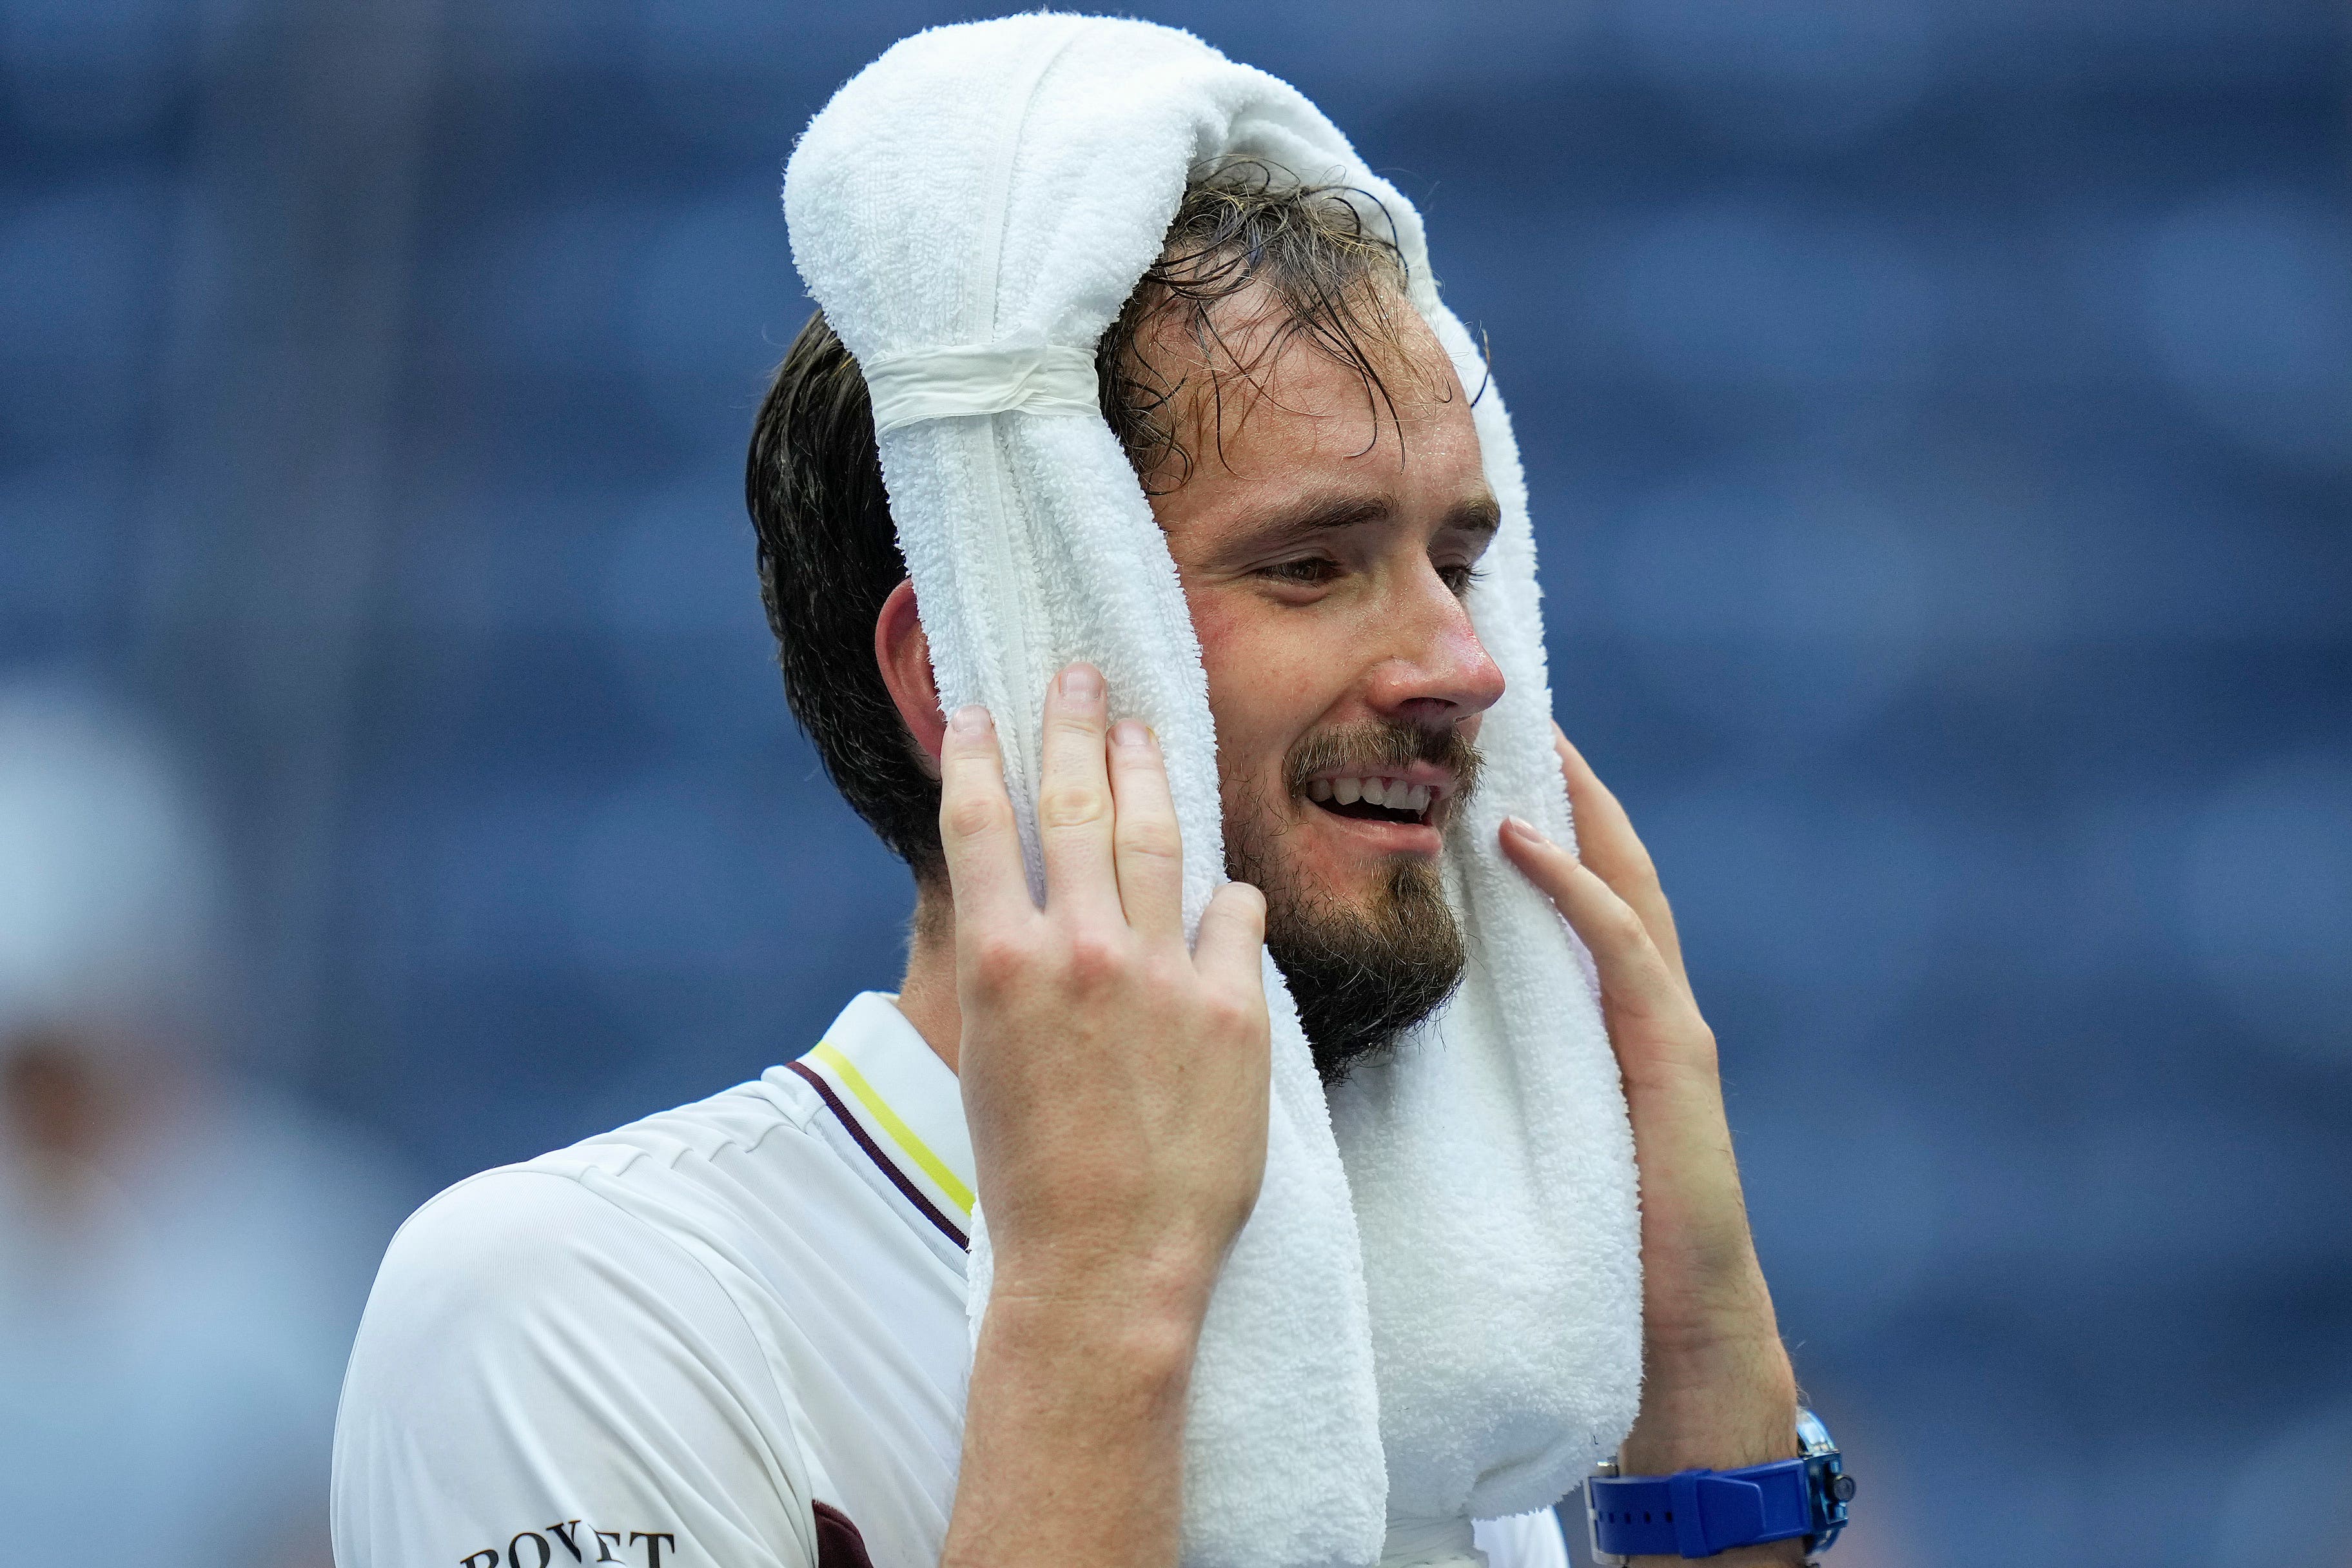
<point>531,1549</point>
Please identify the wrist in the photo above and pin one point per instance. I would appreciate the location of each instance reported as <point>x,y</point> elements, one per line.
<point>1150,1305</point>
<point>1077,1399</point>
<point>1112,1384</point>
<point>1771,1512</point>
<point>1771,1554</point>
<point>1090,1343</point>
<point>1701,1316</point>
<point>1732,1406</point>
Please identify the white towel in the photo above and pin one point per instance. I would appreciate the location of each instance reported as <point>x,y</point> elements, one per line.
<point>1434,1313</point>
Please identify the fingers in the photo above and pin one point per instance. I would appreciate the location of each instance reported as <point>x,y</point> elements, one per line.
<point>1634,975</point>
<point>976,827</point>
<point>1147,847</point>
<point>1604,833</point>
<point>1613,851</point>
<point>1232,938</point>
<point>1074,802</point>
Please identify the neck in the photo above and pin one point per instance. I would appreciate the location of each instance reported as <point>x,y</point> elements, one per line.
<point>927,996</point>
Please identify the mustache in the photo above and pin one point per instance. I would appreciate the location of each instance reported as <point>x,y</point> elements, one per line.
<point>1377,745</point>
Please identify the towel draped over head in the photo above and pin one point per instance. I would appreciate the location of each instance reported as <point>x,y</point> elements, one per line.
<point>1433,1312</point>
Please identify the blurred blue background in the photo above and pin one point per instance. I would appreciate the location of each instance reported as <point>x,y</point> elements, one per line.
<point>1939,420</point>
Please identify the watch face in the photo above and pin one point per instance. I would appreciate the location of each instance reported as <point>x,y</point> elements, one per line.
<point>1831,1488</point>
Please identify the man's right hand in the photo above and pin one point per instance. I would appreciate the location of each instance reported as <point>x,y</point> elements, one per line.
<point>1116,1085</point>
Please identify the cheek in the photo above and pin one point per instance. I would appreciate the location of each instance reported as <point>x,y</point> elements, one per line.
<point>1267,686</point>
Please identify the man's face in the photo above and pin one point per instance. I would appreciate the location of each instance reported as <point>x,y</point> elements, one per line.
<point>1325,560</point>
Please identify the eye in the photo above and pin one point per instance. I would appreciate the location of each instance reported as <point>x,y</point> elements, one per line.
<point>1306,572</point>
<point>1459,576</point>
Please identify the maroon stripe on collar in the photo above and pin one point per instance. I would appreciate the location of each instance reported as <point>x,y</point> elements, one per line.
<point>838,1542</point>
<point>897,1177</point>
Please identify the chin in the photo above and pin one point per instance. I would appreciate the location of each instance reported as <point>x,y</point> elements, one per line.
<point>1361,932</point>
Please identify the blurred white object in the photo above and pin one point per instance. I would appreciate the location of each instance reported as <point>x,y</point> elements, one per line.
<point>183,1256</point>
<point>108,884</point>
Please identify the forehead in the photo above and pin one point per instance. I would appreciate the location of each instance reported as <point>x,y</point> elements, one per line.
<point>1261,409</point>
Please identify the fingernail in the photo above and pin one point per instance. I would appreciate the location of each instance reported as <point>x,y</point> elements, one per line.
<point>969,722</point>
<point>1130,732</point>
<point>1082,683</point>
<point>1524,828</point>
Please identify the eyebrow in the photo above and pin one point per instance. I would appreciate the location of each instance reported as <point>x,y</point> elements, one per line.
<point>1481,514</point>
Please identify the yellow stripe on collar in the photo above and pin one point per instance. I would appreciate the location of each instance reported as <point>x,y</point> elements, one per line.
<point>914,1149</point>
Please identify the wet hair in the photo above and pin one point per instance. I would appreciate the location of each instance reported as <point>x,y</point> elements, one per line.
<point>1331,279</point>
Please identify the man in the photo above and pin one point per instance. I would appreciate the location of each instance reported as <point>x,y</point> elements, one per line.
<point>735,1333</point>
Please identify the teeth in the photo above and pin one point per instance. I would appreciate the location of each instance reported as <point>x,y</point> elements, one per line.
<point>1395,795</point>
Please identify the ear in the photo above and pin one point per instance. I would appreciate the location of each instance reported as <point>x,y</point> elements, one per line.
<point>904,654</point>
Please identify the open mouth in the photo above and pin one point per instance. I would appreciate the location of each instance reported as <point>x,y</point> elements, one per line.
<point>1376,799</point>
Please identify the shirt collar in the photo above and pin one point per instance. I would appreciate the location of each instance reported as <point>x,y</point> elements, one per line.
<point>902,1103</point>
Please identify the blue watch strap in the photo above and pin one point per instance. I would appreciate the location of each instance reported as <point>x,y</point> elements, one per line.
<point>1698,1513</point>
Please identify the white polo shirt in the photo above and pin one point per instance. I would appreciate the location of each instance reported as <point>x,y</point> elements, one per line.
<point>729,1335</point>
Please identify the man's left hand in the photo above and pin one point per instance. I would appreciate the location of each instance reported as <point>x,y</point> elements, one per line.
<point>1716,1391</point>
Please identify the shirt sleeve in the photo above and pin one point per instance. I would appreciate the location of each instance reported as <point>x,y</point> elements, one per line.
<point>1522,1541</point>
<point>542,1380</point>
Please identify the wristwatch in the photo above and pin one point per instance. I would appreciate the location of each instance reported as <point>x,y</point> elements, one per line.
<point>1698,1513</point>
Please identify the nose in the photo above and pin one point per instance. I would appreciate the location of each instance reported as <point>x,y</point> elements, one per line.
<point>1436,671</point>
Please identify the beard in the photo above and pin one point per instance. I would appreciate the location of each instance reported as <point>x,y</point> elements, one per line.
<point>1367,970</point>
